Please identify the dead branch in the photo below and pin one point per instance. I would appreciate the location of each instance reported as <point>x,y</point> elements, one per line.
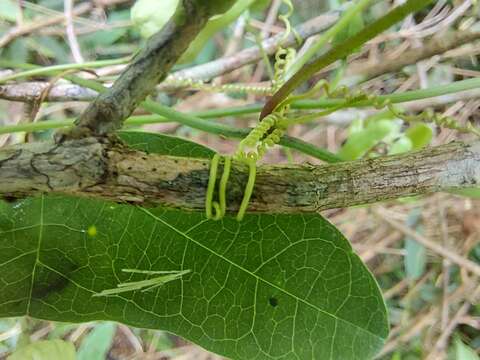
<point>37,24</point>
<point>435,46</point>
<point>25,92</point>
<point>251,55</point>
<point>30,91</point>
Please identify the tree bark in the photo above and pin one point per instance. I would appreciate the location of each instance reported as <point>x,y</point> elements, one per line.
<point>97,168</point>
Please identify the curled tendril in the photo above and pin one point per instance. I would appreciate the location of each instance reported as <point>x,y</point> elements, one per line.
<point>252,174</point>
<point>428,115</point>
<point>379,103</point>
<point>285,18</point>
<point>253,147</point>
<point>221,206</point>
<point>222,192</point>
<point>283,59</point>
<point>226,88</point>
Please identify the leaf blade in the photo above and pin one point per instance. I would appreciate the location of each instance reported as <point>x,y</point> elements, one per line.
<point>285,294</point>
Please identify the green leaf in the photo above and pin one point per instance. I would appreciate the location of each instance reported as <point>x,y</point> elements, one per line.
<point>402,145</point>
<point>164,144</point>
<point>16,51</point>
<point>9,10</point>
<point>108,37</point>
<point>361,141</point>
<point>45,350</point>
<point>469,192</point>
<point>416,258</point>
<point>271,286</point>
<point>214,25</point>
<point>260,5</point>
<point>355,25</point>
<point>152,15</point>
<point>420,134</point>
<point>464,352</point>
<point>97,343</point>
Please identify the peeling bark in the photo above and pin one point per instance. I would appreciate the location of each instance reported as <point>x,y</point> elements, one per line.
<point>97,168</point>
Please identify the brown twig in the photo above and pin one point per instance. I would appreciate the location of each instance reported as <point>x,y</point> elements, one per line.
<point>434,46</point>
<point>71,36</point>
<point>38,24</point>
<point>251,55</point>
<point>150,66</point>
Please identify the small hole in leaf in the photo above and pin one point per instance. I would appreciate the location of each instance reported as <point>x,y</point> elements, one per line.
<point>273,301</point>
<point>154,169</point>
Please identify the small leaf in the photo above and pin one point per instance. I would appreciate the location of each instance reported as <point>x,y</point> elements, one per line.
<point>360,142</point>
<point>16,51</point>
<point>152,15</point>
<point>416,258</point>
<point>473,192</point>
<point>401,145</point>
<point>260,5</point>
<point>214,25</point>
<point>9,10</point>
<point>464,352</point>
<point>164,144</point>
<point>96,344</point>
<point>420,134</point>
<point>108,37</point>
<point>45,350</point>
<point>354,27</point>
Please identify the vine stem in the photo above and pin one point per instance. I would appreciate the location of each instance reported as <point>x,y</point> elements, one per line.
<point>201,116</point>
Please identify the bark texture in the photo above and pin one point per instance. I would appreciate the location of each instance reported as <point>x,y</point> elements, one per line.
<point>97,168</point>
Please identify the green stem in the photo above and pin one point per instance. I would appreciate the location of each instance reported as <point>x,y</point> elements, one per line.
<point>413,95</point>
<point>339,26</point>
<point>342,50</point>
<point>35,70</point>
<point>236,133</point>
<point>56,124</point>
<point>396,98</point>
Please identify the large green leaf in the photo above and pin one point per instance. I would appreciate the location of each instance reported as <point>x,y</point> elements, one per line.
<point>272,286</point>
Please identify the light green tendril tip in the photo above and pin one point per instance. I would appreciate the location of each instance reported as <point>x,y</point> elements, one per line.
<point>211,185</point>
<point>252,174</point>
